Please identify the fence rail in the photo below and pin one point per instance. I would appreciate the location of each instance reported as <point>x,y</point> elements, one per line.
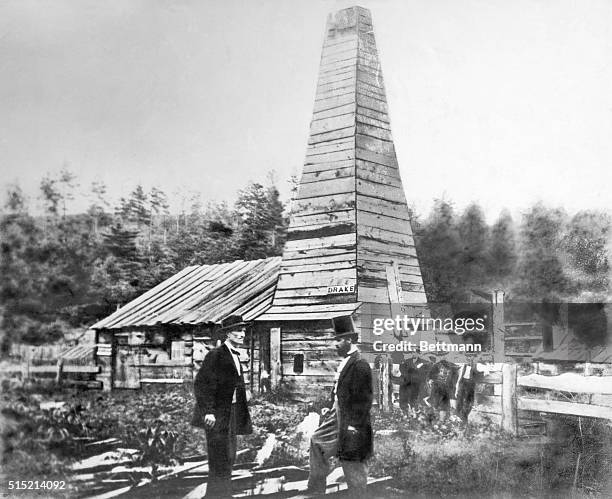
<point>64,369</point>
<point>60,373</point>
<point>508,406</point>
<point>82,354</point>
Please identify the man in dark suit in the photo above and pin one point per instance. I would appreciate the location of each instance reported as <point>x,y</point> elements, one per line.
<point>221,406</point>
<point>345,430</point>
<point>412,381</point>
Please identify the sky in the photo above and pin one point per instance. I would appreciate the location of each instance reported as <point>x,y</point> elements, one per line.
<point>502,103</point>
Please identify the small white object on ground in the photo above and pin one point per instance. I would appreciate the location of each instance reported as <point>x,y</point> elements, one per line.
<point>265,452</point>
<point>306,428</point>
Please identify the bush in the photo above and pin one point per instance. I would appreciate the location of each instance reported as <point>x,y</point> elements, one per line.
<point>44,333</point>
<point>40,443</point>
<point>156,445</point>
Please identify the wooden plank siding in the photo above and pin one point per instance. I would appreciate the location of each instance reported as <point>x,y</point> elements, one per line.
<point>315,341</point>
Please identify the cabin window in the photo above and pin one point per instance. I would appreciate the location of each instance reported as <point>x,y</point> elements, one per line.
<point>298,363</point>
<point>159,347</point>
<point>177,350</point>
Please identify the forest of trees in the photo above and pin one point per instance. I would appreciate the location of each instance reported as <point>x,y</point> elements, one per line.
<point>546,256</point>
<point>62,270</point>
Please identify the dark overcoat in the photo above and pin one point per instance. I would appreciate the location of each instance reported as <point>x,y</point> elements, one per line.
<point>412,381</point>
<point>354,404</point>
<point>214,389</point>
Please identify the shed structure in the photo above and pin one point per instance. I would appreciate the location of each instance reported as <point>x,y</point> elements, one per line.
<point>163,335</point>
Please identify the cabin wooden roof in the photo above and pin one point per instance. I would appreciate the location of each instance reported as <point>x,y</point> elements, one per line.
<point>202,294</point>
<point>317,311</point>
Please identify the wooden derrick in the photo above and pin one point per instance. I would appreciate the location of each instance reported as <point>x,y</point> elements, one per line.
<point>349,222</point>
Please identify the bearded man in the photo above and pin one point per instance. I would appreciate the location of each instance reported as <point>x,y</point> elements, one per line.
<point>345,430</point>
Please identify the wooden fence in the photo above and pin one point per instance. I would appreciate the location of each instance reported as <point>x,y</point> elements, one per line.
<point>59,364</point>
<point>517,401</point>
<point>60,374</point>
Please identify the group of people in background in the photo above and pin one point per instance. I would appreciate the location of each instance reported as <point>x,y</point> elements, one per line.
<point>345,429</point>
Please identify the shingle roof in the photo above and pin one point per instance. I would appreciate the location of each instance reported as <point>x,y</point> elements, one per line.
<point>202,294</point>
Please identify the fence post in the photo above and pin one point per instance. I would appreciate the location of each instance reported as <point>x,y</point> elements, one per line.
<point>498,327</point>
<point>275,357</point>
<point>58,373</point>
<point>509,404</point>
<point>384,380</point>
<point>25,364</point>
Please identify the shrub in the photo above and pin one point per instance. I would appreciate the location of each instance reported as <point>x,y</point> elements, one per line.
<point>156,445</point>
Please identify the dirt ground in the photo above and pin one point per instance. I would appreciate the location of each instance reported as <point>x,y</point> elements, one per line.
<point>45,439</point>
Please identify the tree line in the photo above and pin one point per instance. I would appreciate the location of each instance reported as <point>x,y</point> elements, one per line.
<point>547,256</point>
<point>62,270</point>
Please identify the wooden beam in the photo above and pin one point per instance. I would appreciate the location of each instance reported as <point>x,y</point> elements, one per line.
<point>569,382</point>
<point>163,381</point>
<point>499,332</point>
<point>336,111</point>
<point>275,357</point>
<point>81,369</point>
<point>509,405</point>
<point>569,408</point>
<point>384,381</point>
<point>491,379</point>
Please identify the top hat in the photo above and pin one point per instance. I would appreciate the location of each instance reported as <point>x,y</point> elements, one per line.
<point>232,322</point>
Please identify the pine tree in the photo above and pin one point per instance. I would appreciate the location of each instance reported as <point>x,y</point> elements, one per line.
<point>137,207</point>
<point>67,184</point>
<point>98,206</point>
<point>474,237</point>
<point>121,242</point>
<point>16,202</point>
<point>439,249</point>
<point>158,201</point>
<point>541,274</point>
<point>502,255</point>
<point>261,226</point>
<point>586,241</point>
<point>50,195</point>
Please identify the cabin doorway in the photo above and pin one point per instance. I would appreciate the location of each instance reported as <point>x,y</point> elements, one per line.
<point>127,373</point>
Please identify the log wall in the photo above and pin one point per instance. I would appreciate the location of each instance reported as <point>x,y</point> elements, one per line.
<point>314,340</point>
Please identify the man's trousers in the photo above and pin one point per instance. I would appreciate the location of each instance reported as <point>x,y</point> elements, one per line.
<point>221,447</point>
<point>323,445</point>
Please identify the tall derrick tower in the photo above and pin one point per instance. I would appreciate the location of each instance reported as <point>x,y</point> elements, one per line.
<point>350,251</point>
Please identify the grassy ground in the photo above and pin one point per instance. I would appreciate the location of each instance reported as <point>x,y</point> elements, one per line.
<point>451,459</point>
<point>41,445</point>
<point>426,459</point>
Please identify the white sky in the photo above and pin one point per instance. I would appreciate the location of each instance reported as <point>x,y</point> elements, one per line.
<point>501,102</point>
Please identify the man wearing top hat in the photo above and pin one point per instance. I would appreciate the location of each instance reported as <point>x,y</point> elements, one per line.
<point>345,430</point>
<point>221,405</point>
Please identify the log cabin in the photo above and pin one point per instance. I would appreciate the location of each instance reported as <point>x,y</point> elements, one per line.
<point>163,335</point>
